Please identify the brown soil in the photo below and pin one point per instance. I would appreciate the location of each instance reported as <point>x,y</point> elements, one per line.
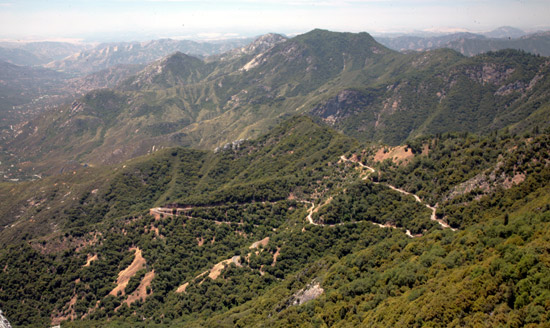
<point>155,229</point>
<point>396,154</point>
<point>67,314</point>
<point>426,149</point>
<point>141,292</point>
<point>217,269</point>
<point>182,288</point>
<point>90,260</point>
<point>125,275</point>
<point>517,179</point>
<point>154,214</point>
<point>275,256</point>
<point>262,242</point>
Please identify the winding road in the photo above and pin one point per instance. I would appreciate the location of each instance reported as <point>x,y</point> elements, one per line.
<point>158,212</point>
<point>310,221</point>
<point>433,216</point>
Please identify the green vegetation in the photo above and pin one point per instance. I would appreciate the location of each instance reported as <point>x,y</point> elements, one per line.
<point>349,80</point>
<point>459,169</point>
<point>376,203</point>
<point>289,228</point>
<point>493,270</point>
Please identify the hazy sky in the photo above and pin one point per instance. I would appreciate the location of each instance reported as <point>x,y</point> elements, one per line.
<point>146,19</point>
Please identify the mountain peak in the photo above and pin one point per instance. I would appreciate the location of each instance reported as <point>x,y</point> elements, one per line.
<point>256,47</point>
<point>178,56</point>
<point>505,32</point>
<point>343,40</point>
<point>263,43</point>
<point>176,68</point>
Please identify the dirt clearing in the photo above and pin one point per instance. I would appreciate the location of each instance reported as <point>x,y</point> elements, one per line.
<point>125,275</point>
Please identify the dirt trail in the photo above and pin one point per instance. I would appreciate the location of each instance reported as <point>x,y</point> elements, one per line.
<point>371,170</point>
<point>310,213</point>
<point>159,212</point>
<point>433,216</point>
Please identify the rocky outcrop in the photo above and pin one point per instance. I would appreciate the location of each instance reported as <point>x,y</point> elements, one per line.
<point>312,291</point>
<point>4,323</point>
<point>257,47</point>
<point>344,104</point>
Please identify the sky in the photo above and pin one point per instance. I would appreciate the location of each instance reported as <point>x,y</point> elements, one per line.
<point>125,20</point>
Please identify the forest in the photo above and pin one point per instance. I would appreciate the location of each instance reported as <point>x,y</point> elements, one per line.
<point>244,209</point>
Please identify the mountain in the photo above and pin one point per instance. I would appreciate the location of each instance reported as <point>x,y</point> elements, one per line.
<point>108,55</point>
<point>156,116</point>
<point>37,53</point>
<point>538,44</point>
<point>347,80</point>
<point>467,94</point>
<point>259,45</point>
<point>176,69</point>
<point>54,50</point>
<point>418,43</point>
<point>21,57</point>
<point>318,181</point>
<point>99,70</point>
<point>473,44</point>
<point>505,32</point>
<point>300,226</point>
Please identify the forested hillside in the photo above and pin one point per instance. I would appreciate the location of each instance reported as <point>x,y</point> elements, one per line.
<point>302,226</point>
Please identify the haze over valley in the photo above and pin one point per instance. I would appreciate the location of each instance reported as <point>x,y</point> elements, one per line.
<point>205,165</point>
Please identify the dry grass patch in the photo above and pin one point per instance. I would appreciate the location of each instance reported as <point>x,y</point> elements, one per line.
<point>141,292</point>
<point>125,275</point>
<point>182,288</point>
<point>90,259</point>
<point>399,154</point>
<point>262,242</point>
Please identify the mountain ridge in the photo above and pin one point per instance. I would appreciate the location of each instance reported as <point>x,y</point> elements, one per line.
<point>349,80</point>
<point>471,44</point>
<point>110,54</point>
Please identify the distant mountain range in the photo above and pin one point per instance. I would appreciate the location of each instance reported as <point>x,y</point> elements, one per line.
<point>348,80</point>
<point>108,55</point>
<point>505,32</point>
<point>323,180</point>
<point>37,76</point>
<point>471,44</point>
<point>26,90</point>
<point>37,53</point>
